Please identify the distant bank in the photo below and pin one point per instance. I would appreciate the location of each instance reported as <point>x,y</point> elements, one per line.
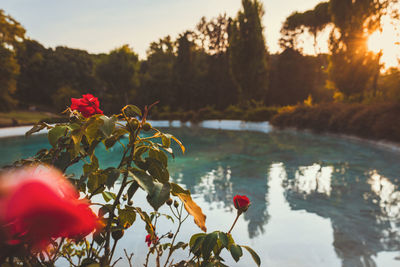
<point>379,121</point>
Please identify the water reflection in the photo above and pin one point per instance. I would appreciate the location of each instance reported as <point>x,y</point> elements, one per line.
<point>363,209</point>
<point>315,199</point>
<point>353,185</point>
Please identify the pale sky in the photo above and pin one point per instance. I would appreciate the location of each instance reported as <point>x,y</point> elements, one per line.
<point>102,25</point>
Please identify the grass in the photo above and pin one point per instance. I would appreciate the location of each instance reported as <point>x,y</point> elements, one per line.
<point>23,117</point>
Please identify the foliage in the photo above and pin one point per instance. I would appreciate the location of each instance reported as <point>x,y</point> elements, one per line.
<point>119,72</point>
<point>247,52</point>
<point>389,85</point>
<point>144,165</point>
<point>374,121</point>
<point>11,33</point>
<point>293,77</point>
<point>314,20</point>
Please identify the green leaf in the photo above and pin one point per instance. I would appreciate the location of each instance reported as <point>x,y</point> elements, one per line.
<point>236,252</point>
<point>76,136</point>
<point>145,217</point>
<point>92,167</point>
<point>127,216</point>
<point>37,128</point>
<point>224,239</point>
<point>159,155</point>
<point>144,180</point>
<point>254,255</point>
<point>112,176</point>
<point>132,189</point>
<point>92,130</point>
<point>55,133</point>
<point>157,193</point>
<point>108,196</point>
<point>159,196</point>
<point>132,111</point>
<point>194,238</point>
<point>195,249</point>
<point>158,170</point>
<point>96,180</point>
<point>118,132</point>
<point>108,126</point>
<point>62,160</point>
<point>87,262</point>
<point>139,151</point>
<point>110,142</point>
<point>166,140</point>
<point>208,244</point>
<point>179,245</point>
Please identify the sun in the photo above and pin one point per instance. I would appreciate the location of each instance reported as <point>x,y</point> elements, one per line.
<point>387,41</point>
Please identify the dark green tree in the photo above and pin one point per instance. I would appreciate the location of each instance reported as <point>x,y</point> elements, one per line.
<point>119,71</point>
<point>157,81</point>
<point>46,71</point>
<point>248,53</point>
<point>185,72</point>
<point>220,90</point>
<point>11,34</point>
<point>313,21</point>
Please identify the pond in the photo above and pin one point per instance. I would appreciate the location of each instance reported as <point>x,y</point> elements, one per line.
<point>317,200</point>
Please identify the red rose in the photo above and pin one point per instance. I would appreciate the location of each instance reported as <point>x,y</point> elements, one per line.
<point>149,239</point>
<point>88,105</point>
<point>241,203</point>
<point>39,204</point>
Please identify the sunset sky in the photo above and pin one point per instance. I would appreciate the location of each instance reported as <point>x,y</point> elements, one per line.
<point>102,25</point>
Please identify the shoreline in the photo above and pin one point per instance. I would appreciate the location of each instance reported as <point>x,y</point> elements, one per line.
<point>234,125</point>
<point>210,124</point>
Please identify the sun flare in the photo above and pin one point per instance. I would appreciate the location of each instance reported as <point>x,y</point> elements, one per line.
<point>387,41</point>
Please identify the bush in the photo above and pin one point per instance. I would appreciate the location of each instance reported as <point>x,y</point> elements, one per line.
<point>77,233</point>
<point>375,121</point>
<point>260,114</point>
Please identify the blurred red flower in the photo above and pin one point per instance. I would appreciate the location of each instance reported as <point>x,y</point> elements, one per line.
<point>37,204</point>
<point>241,203</point>
<point>150,239</point>
<point>88,105</point>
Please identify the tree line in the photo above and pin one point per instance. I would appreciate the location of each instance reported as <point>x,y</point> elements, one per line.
<point>222,62</point>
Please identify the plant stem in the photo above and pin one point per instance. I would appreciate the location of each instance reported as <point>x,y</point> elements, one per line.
<point>123,185</point>
<point>113,249</point>
<point>233,225</point>
<point>176,233</point>
<point>58,250</point>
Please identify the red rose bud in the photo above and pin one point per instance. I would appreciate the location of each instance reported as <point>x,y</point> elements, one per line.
<point>151,239</point>
<point>241,203</point>
<point>38,204</point>
<point>88,105</point>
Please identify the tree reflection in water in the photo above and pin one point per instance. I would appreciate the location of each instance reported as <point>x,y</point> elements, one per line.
<point>363,209</point>
<point>354,185</point>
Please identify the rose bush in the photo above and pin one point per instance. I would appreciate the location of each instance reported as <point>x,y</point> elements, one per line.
<point>48,212</point>
<point>88,105</point>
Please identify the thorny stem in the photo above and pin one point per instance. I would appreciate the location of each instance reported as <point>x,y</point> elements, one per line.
<point>129,258</point>
<point>123,184</point>
<point>176,234</point>
<point>58,250</point>
<point>237,217</point>
<point>113,248</point>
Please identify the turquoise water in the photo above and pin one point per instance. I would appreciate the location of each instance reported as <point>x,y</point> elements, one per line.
<point>316,200</point>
